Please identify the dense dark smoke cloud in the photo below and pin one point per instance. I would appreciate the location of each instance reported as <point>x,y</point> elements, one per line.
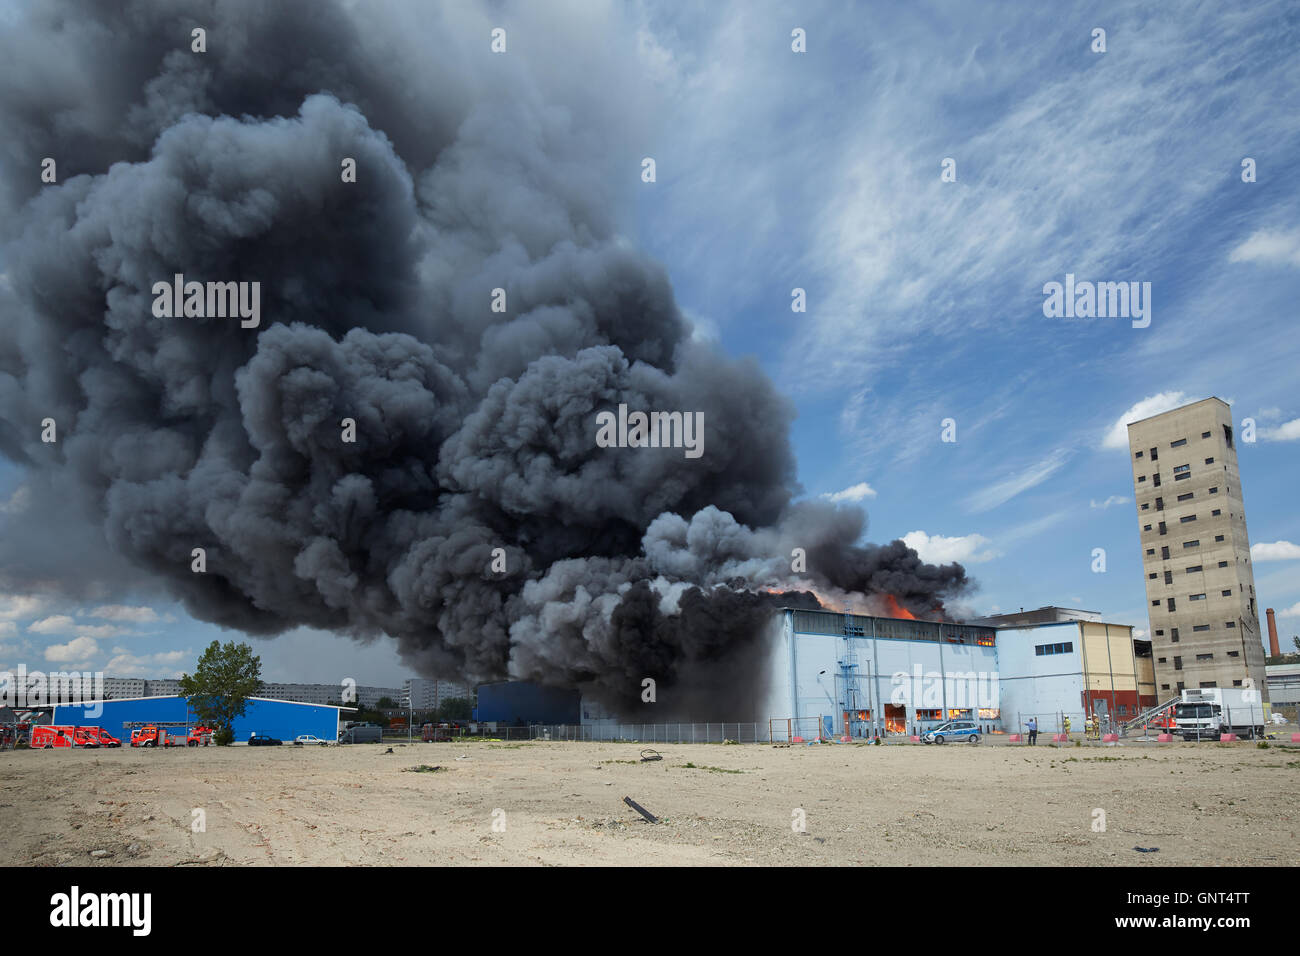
<point>474,429</point>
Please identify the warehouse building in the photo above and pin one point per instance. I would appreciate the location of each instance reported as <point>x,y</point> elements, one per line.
<point>264,717</point>
<point>832,674</point>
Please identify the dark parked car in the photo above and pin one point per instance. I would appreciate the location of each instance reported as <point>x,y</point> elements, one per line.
<point>256,741</point>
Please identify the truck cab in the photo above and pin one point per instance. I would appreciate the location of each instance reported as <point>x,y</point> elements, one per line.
<point>1210,712</point>
<point>148,736</point>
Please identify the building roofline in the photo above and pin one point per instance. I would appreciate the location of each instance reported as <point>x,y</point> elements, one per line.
<point>1212,398</point>
<point>118,700</point>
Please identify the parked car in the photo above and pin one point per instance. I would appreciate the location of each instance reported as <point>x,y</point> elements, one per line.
<point>303,740</point>
<point>256,741</point>
<point>954,730</point>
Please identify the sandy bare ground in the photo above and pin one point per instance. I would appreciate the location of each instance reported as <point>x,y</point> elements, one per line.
<point>1201,804</point>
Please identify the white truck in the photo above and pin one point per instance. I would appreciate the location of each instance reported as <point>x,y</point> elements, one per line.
<point>1210,712</point>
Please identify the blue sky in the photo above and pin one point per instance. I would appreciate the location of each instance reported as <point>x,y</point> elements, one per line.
<point>821,171</point>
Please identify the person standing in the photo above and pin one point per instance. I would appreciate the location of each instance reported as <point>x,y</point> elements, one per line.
<point>1033,731</point>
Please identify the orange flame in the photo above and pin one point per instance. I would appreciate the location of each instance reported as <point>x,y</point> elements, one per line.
<point>896,609</point>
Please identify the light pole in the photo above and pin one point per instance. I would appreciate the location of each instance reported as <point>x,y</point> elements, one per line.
<point>828,697</point>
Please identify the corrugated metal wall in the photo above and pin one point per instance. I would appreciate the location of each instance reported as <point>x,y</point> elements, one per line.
<point>268,718</point>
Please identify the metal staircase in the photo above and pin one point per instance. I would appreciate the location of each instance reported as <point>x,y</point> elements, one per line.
<point>1142,719</point>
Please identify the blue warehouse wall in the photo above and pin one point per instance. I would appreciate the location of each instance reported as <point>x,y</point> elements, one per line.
<point>266,718</point>
<point>519,702</point>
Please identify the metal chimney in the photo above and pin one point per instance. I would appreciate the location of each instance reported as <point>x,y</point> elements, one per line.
<point>1272,634</point>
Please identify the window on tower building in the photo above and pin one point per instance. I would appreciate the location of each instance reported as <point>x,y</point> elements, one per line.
<point>1178,444</point>
<point>1205,434</point>
<point>1209,461</point>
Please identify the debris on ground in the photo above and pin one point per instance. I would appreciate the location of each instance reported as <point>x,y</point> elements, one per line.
<point>650,817</point>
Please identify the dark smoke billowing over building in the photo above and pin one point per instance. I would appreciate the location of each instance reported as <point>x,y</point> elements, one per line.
<point>474,429</point>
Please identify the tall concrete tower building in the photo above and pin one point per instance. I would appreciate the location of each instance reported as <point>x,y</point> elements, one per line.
<point>1195,551</point>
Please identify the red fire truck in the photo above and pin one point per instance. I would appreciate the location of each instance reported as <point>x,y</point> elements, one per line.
<point>50,735</point>
<point>103,736</point>
<point>151,735</point>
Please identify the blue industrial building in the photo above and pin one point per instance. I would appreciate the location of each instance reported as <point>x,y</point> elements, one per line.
<point>283,719</point>
<point>516,703</point>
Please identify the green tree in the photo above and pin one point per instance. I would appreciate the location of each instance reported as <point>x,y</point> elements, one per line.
<point>455,708</point>
<point>226,676</point>
<point>385,703</point>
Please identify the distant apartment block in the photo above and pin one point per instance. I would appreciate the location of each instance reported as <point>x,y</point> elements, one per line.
<point>421,694</point>
<point>118,688</point>
<point>1195,551</point>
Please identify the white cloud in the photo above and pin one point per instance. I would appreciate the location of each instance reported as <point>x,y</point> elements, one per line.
<point>853,493</point>
<point>1139,632</point>
<point>8,629</point>
<point>1270,247</point>
<point>17,502</point>
<point>1112,500</point>
<point>76,651</point>
<point>1275,551</point>
<point>164,664</point>
<point>1287,431</point>
<point>937,549</point>
<point>1292,611</point>
<point>122,612</point>
<point>1117,435</point>
<point>63,624</point>
<point>1031,529</point>
<point>1003,491</point>
<point>14,606</point>
<point>56,624</point>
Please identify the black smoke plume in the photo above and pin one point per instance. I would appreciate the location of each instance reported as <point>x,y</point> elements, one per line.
<point>474,428</point>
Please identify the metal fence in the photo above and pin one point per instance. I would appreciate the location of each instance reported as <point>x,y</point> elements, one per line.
<point>747,732</point>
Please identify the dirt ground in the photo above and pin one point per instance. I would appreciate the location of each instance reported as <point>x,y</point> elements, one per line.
<point>561,804</point>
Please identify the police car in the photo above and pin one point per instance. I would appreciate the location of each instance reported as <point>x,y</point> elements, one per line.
<point>954,730</point>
